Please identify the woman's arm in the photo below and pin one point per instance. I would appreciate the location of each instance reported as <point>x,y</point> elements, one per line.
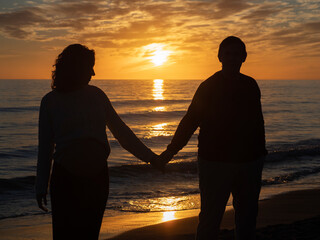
<point>127,139</point>
<point>45,152</point>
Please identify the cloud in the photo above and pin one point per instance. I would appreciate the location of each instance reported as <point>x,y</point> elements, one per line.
<point>23,17</point>
<point>16,32</point>
<point>263,12</point>
<point>13,23</point>
<point>184,25</point>
<point>124,19</point>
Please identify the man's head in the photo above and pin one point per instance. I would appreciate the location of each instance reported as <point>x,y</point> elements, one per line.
<point>232,53</point>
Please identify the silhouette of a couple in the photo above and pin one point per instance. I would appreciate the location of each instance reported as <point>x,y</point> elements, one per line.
<point>72,134</point>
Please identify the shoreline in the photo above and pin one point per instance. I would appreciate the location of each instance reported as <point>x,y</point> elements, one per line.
<point>279,215</point>
<point>276,213</point>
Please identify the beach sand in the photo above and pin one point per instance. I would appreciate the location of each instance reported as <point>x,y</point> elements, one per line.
<point>292,215</point>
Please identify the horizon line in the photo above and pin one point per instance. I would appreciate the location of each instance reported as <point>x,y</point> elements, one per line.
<point>148,79</point>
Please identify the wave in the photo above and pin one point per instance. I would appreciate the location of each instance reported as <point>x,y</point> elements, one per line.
<point>290,177</point>
<point>185,165</point>
<point>283,152</point>
<point>19,109</point>
<point>147,115</point>
<point>18,183</point>
<point>123,103</point>
<point>149,102</point>
<point>22,152</point>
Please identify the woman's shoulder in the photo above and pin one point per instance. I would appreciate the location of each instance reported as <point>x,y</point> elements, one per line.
<point>48,96</point>
<point>96,91</point>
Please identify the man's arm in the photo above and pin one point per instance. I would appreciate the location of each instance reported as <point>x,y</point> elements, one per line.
<point>186,127</point>
<point>261,140</point>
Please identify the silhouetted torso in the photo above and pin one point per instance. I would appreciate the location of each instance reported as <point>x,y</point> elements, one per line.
<point>230,119</point>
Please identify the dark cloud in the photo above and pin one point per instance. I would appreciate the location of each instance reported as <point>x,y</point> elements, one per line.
<point>312,27</point>
<point>262,13</point>
<point>232,6</point>
<point>302,40</point>
<point>12,24</point>
<point>309,28</point>
<point>24,17</point>
<point>16,32</point>
<point>216,9</point>
<point>78,9</point>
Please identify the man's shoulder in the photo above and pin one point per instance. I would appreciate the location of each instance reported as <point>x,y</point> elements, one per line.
<point>248,78</point>
<point>213,79</point>
<point>251,83</point>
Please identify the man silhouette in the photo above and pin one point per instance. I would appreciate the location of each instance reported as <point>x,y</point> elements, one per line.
<point>231,146</point>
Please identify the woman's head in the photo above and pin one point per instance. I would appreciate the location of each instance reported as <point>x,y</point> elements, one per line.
<point>73,68</point>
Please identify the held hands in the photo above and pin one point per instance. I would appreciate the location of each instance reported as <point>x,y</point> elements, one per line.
<point>165,157</point>
<point>156,163</point>
<point>159,162</point>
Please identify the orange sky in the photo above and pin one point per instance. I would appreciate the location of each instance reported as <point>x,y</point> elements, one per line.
<point>164,39</point>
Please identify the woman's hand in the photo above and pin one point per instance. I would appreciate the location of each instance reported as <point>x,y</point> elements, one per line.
<point>155,162</point>
<point>165,157</point>
<point>43,197</point>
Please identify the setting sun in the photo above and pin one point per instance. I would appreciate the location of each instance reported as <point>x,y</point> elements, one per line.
<point>156,54</point>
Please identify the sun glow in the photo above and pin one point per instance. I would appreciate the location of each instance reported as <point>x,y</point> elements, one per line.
<point>156,54</point>
<point>167,216</point>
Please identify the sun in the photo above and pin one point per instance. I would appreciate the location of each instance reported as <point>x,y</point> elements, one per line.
<point>156,54</point>
<point>159,57</point>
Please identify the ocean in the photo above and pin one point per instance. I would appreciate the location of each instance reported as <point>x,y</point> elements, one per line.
<point>152,109</point>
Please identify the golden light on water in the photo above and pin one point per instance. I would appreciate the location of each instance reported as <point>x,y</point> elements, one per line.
<point>167,216</point>
<point>159,109</point>
<point>169,206</point>
<point>159,130</point>
<point>158,89</point>
<point>160,127</point>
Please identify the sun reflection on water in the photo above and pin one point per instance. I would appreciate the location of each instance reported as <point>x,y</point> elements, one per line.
<point>158,89</point>
<point>159,109</point>
<point>159,130</point>
<point>168,205</point>
<point>167,216</point>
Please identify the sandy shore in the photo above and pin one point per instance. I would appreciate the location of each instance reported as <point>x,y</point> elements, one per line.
<point>293,215</point>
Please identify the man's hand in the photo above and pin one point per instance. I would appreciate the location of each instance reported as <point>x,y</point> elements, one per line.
<point>43,197</point>
<point>155,162</point>
<point>165,157</point>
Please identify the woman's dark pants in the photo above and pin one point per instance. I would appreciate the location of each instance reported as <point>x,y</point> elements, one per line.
<point>78,203</point>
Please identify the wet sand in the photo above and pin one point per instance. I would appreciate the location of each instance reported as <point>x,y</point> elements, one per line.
<point>292,215</point>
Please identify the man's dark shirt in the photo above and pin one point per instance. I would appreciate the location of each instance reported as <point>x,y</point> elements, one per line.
<point>230,118</point>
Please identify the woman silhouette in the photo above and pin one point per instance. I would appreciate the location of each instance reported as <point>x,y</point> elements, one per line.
<point>72,133</point>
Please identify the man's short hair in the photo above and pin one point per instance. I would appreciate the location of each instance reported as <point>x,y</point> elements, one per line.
<point>232,40</point>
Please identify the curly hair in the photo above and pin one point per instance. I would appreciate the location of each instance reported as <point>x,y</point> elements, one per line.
<point>71,68</point>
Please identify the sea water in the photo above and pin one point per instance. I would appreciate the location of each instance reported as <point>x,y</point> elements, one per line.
<point>152,109</point>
